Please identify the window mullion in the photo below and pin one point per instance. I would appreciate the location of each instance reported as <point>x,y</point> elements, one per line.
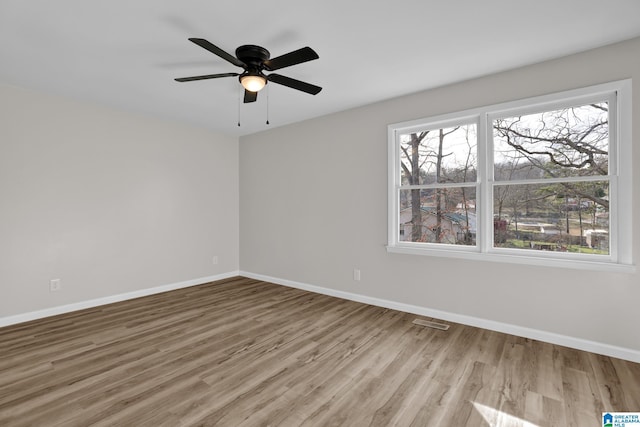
<point>485,178</point>
<point>394,187</point>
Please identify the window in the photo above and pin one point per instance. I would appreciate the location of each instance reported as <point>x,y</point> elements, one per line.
<point>438,180</point>
<point>542,181</point>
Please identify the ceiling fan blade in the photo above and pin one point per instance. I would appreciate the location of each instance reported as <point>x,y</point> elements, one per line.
<point>292,58</point>
<point>294,84</point>
<point>216,50</point>
<point>250,96</point>
<point>205,77</point>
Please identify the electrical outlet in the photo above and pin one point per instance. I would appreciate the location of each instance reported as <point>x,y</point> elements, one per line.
<point>55,285</point>
<point>356,274</point>
<point>214,260</point>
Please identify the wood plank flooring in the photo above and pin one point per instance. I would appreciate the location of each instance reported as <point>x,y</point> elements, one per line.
<point>241,352</point>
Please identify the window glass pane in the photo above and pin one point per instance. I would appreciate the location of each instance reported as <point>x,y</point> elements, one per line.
<point>439,155</point>
<point>568,217</point>
<point>438,215</point>
<point>560,143</point>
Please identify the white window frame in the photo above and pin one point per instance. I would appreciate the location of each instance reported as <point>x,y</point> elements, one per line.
<point>620,177</point>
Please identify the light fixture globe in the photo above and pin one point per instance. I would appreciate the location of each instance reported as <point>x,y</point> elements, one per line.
<point>253,82</point>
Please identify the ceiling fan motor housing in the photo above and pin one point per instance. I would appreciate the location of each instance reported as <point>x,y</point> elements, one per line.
<point>252,55</point>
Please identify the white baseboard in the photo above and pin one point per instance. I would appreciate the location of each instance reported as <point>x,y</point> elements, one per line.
<point>550,337</point>
<point>53,311</point>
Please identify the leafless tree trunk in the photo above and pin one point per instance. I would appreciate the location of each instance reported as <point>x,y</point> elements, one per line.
<point>412,173</point>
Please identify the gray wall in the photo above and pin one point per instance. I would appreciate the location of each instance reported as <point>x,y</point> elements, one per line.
<point>109,202</point>
<point>313,206</point>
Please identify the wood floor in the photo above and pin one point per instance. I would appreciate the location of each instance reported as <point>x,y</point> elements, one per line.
<point>241,352</point>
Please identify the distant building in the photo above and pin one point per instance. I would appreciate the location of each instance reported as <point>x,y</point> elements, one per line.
<point>455,227</point>
<point>597,239</point>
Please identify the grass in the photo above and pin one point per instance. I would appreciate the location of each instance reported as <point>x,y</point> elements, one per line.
<point>527,244</point>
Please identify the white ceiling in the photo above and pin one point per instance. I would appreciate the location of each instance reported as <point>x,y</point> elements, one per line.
<point>126,53</point>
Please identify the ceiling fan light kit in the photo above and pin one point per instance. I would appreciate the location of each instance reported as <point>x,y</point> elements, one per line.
<point>255,60</point>
<point>253,82</point>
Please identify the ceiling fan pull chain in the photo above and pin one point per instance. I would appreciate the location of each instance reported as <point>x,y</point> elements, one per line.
<point>267,105</point>
<point>239,96</point>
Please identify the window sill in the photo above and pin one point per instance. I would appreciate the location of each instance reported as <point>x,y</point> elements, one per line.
<point>517,259</point>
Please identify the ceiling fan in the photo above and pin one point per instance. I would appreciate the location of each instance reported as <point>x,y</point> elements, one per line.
<point>254,60</point>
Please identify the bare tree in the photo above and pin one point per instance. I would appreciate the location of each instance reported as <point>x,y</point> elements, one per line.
<point>439,178</point>
<point>566,142</point>
<point>411,167</point>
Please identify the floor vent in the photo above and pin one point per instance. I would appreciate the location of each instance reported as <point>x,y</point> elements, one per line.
<point>430,324</point>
